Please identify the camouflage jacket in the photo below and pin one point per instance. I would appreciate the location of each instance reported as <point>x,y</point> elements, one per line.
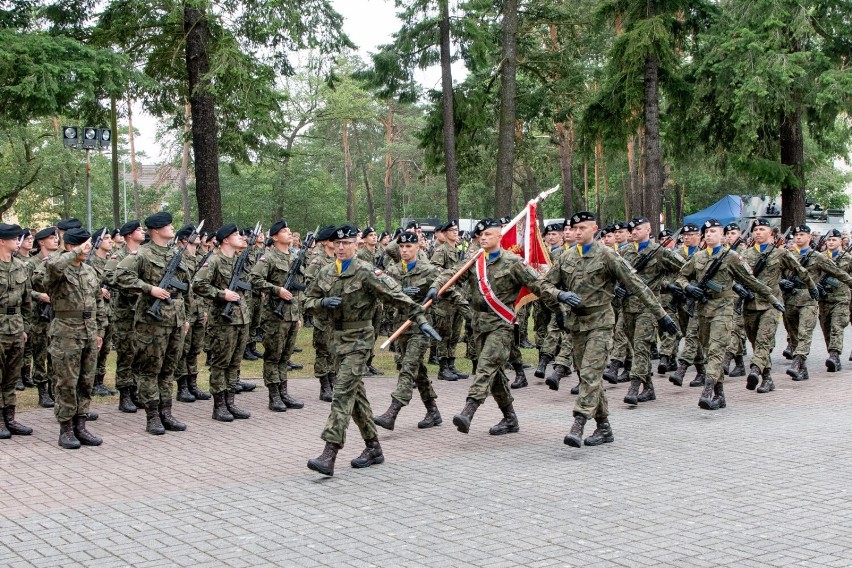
<point>15,298</point>
<point>592,276</point>
<point>661,265</point>
<point>143,270</point>
<point>75,293</point>
<point>421,275</point>
<point>392,251</point>
<point>193,306</point>
<point>734,268</point>
<point>321,318</point>
<point>359,286</point>
<point>818,266</point>
<point>822,266</point>
<point>212,280</point>
<point>369,256</point>
<point>269,275</point>
<point>123,302</point>
<point>779,263</point>
<point>99,264</point>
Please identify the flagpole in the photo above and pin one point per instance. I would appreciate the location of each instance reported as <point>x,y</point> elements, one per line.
<point>467,265</point>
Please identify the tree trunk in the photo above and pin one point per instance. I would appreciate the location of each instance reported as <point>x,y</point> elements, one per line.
<point>184,167</point>
<point>597,182</point>
<point>586,183</point>
<point>134,171</point>
<point>205,131</point>
<point>506,129</point>
<point>793,155</point>
<point>653,154</point>
<point>448,115</point>
<point>351,210</point>
<point>634,190</point>
<point>113,126</point>
<point>368,189</point>
<point>388,122</point>
<point>566,165</point>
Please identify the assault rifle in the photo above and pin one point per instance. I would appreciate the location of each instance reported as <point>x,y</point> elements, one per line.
<point>827,282</point>
<point>622,292</point>
<point>707,283</point>
<point>95,245</point>
<point>805,261</point>
<point>290,284</point>
<point>759,267</point>
<point>168,280</point>
<point>235,283</point>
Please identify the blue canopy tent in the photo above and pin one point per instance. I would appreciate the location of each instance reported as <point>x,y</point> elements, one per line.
<point>726,210</point>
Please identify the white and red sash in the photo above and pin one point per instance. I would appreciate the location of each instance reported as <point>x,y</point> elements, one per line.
<point>501,309</point>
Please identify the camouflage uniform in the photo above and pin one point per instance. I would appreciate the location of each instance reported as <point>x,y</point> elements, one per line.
<point>124,338</point>
<point>450,314</point>
<point>371,257</point>
<point>39,326</point>
<point>325,364</point>
<point>99,264</point>
<point>15,318</point>
<point>692,351</point>
<point>194,340</point>
<point>834,307</point>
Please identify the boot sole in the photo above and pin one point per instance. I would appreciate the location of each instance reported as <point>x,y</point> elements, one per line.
<point>461,424</point>
<point>69,447</point>
<point>792,374</point>
<point>319,469</point>
<point>737,374</point>
<point>572,441</point>
<point>518,386</point>
<point>501,432</point>
<point>91,443</point>
<point>552,384</point>
<point>649,399</point>
<point>751,382</point>
<point>423,426</point>
<point>832,368</point>
<point>707,405</point>
<point>631,401</point>
<point>676,382</point>
<point>374,461</point>
<point>223,419</point>
<point>608,440</point>
<point>694,384</point>
<point>385,426</point>
<point>538,374</point>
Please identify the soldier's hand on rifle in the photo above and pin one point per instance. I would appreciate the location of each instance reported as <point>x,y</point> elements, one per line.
<point>675,290</point>
<point>817,292</point>
<point>430,331</point>
<point>569,298</point>
<point>160,293</point>
<point>331,302</point>
<point>777,305</point>
<point>695,292</point>
<point>231,296</point>
<point>787,285</point>
<point>411,290</point>
<point>285,294</point>
<point>44,298</point>
<point>668,325</point>
<point>432,294</point>
<point>620,291</point>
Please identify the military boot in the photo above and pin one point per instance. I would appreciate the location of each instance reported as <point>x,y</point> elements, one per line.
<point>525,342</point>
<point>796,368</point>
<point>647,393</point>
<point>183,394</point>
<point>700,377</point>
<point>707,400</point>
<point>19,386</point>
<point>726,362</point>
<point>67,439</point>
<point>98,388</point>
<point>833,362</point>
<point>248,354</point>
<point>574,438</point>
<point>662,367</point>
<point>373,370</point>
<point>677,378</point>
<point>253,348</point>
<point>632,396</point>
<point>14,427</point>
<point>625,373</point>
<point>451,364</point>
<point>576,388</point>
<point>288,400</point>
<point>169,422</point>
<point>509,423</point>
<point>433,354</point>
<point>27,378</point>
<point>788,351</point>
<point>655,352</point>
<point>235,410</point>
<point>324,464</point>
<point>555,377</point>
<point>192,387</point>
<point>220,409</point>
<point>444,373</point>
<point>739,367</point>
<point>325,389</point>
<point>152,416</point>
<point>610,374</point>
<point>388,419</point>
<point>462,420</point>
<point>520,377</point>
<point>543,361</point>
<point>4,434</point>
<point>753,377</point>
<point>433,417</point>
<point>83,435</point>
<point>601,435</point>
<point>291,366</point>
<point>766,384</point>
<point>246,386</point>
<point>275,402</point>
<point>719,391</point>
<point>44,399</point>
<point>372,455</point>
<point>125,400</point>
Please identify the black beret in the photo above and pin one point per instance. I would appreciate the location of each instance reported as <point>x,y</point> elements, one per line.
<point>486,223</point>
<point>760,223</point>
<point>689,228</point>
<point>553,228</point>
<point>664,234</point>
<point>67,224</point>
<point>505,220</point>
<point>9,231</point>
<point>158,220</point>
<point>606,230</point>
<point>208,237</point>
<point>732,227</point>
<point>411,238</point>
<point>277,226</point>
<point>325,233</point>
<point>76,236</point>
<point>710,223</point>
<point>129,227</point>
<point>636,221</point>
<point>802,229</point>
<point>344,232</point>
<point>581,216</point>
<point>383,235</point>
<point>451,224</point>
<point>225,231</point>
<point>834,233</point>
<point>98,231</point>
<point>367,231</point>
<point>618,225</point>
<point>26,231</point>
<point>45,233</point>
<point>185,232</point>
<point>441,228</point>
<point>412,225</point>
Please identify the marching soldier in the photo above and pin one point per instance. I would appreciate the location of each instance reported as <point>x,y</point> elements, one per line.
<point>449,316</point>
<point>692,353</point>
<point>668,343</point>
<point>369,252</point>
<point>736,349</point>
<point>622,349</point>
<point>325,368</point>
<point>834,301</point>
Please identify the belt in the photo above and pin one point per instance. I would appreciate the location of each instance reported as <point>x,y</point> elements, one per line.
<point>73,315</point>
<point>581,311</point>
<point>349,325</point>
<point>10,311</point>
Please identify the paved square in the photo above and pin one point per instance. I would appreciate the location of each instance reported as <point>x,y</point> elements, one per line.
<point>764,482</point>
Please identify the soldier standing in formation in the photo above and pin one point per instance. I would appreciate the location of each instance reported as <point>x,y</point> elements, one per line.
<point>834,299</point>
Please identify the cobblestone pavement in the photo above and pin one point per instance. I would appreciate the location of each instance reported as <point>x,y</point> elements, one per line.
<point>764,482</point>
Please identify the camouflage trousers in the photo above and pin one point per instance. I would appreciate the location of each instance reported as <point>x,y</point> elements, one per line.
<point>714,336</point>
<point>622,347</point>
<point>279,339</point>
<point>565,355</point>
<point>495,349</point>
<point>448,321</point>
<point>590,359</point>
<point>641,331</point>
<point>350,400</point>
<point>227,344</point>
<point>668,342</point>
<point>11,359</point>
<point>833,319</point>
<point>75,360</point>
<point>738,337</point>
<point>159,348</point>
<point>26,363</point>
<point>124,345</point>
<point>192,347</point>
<point>413,348</point>
<point>472,347</point>
<point>693,352</point>
<point>322,341</point>
<point>800,322</point>
<point>541,322</point>
<point>760,328</point>
<point>104,352</point>
<point>38,339</point>
<point>552,339</point>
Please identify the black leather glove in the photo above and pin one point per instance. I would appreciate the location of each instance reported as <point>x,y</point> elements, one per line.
<point>787,285</point>
<point>674,289</point>
<point>668,325</point>
<point>620,291</point>
<point>777,305</point>
<point>569,298</point>
<point>331,302</point>
<point>430,331</point>
<point>695,292</point>
<point>432,294</point>
<point>817,292</point>
<point>411,290</point>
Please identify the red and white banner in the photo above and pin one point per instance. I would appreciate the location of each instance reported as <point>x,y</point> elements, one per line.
<point>524,240</point>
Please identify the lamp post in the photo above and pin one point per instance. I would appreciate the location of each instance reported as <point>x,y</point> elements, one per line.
<point>88,138</point>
